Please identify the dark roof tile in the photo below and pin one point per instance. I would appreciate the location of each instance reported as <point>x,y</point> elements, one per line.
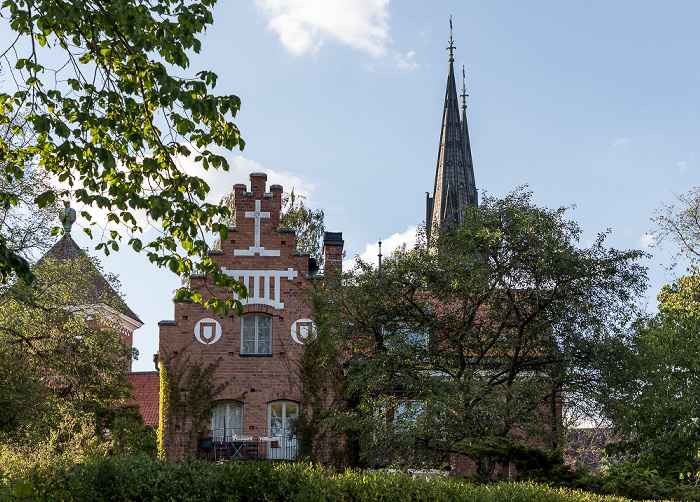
<point>66,249</point>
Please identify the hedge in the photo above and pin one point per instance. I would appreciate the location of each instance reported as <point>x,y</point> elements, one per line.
<point>147,479</point>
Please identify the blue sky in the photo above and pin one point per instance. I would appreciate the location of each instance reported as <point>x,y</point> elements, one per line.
<point>590,103</point>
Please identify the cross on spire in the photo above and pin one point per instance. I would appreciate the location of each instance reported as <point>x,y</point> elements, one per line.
<point>464,90</point>
<point>451,47</point>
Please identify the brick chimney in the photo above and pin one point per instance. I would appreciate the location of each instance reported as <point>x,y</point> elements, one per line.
<point>333,255</point>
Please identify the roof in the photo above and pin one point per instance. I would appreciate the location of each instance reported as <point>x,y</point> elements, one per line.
<point>454,186</point>
<point>472,194</point>
<point>66,249</point>
<point>146,392</point>
<point>333,239</point>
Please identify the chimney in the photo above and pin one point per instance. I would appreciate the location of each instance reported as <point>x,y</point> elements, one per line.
<point>333,255</point>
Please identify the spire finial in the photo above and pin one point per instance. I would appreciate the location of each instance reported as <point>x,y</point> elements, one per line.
<point>451,47</point>
<point>464,90</point>
<point>67,217</point>
<point>380,255</point>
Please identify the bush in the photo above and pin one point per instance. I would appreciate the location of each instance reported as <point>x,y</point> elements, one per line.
<point>122,478</point>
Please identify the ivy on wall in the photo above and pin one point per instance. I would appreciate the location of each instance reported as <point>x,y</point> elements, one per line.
<point>187,392</point>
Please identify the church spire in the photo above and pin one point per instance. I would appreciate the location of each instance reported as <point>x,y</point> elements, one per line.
<point>452,189</point>
<point>472,195</point>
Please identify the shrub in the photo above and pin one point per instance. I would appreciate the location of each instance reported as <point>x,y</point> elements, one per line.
<point>122,478</point>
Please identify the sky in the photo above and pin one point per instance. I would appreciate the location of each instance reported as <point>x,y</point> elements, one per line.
<point>592,104</point>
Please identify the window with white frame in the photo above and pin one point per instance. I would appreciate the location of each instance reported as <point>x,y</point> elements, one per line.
<point>256,334</point>
<point>226,420</point>
<point>280,419</point>
<point>416,338</point>
<point>406,337</point>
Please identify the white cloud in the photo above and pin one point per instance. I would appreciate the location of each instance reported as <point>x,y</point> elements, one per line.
<point>304,25</point>
<point>220,182</point>
<point>389,245</point>
<point>682,167</point>
<point>647,241</point>
<point>620,142</point>
<point>405,61</point>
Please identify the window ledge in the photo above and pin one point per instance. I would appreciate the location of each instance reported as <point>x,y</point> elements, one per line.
<point>254,355</point>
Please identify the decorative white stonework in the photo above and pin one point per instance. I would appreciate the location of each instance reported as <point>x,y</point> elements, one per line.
<point>207,331</point>
<point>256,247</point>
<point>303,329</point>
<point>266,285</point>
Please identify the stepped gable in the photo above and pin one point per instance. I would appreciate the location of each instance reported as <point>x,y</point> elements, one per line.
<point>257,353</point>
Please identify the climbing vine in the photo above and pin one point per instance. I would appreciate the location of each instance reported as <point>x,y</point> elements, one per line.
<point>187,392</point>
<point>327,428</point>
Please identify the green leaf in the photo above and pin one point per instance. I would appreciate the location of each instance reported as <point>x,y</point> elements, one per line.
<point>46,198</point>
<point>238,308</point>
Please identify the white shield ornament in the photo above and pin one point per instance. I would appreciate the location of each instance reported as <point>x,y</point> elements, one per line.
<point>303,329</point>
<point>207,331</point>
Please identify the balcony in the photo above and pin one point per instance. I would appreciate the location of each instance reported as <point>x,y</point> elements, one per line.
<point>237,445</point>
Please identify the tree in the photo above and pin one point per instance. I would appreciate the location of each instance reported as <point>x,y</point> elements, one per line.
<point>187,392</point>
<point>307,223</point>
<point>62,372</point>
<point>26,227</point>
<point>653,398</point>
<point>91,85</point>
<point>682,224</point>
<point>471,338</point>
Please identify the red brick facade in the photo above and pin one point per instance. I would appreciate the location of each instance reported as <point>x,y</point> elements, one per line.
<point>262,255</point>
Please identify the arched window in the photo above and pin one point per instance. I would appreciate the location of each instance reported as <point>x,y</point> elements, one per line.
<point>280,417</point>
<point>256,334</point>
<point>226,420</point>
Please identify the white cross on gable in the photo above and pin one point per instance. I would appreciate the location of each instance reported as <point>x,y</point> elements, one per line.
<point>256,248</point>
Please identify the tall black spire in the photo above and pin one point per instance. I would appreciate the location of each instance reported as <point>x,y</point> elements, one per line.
<point>472,195</point>
<point>454,177</point>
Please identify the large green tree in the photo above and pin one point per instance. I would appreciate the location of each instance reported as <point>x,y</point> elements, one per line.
<point>471,338</point>
<point>653,397</point>
<point>62,366</point>
<point>26,227</point>
<point>93,86</point>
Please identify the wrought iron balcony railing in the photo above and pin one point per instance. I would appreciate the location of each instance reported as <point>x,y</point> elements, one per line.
<point>233,444</point>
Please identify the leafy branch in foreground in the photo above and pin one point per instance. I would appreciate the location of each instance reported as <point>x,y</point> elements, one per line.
<point>94,90</point>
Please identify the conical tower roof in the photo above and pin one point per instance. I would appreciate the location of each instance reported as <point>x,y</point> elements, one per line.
<point>101,292</point>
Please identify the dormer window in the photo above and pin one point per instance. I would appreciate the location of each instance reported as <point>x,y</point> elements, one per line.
<point>256,334</point>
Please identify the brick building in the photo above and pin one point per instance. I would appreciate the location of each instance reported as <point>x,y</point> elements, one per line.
<point>257,352</point>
